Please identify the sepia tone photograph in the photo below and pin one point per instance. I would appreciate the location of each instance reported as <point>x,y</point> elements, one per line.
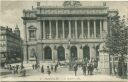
<point>63,40</point>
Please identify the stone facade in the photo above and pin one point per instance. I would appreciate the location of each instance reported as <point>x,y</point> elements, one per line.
<point>63,33</point>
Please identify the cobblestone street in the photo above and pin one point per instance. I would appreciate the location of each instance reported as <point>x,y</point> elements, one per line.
<point>61,74</point>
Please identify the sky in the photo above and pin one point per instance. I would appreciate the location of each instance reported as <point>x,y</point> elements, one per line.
<point>11,11</point>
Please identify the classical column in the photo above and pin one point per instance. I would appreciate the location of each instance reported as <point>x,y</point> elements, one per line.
<point>69,29</point>
<point>54,54</point>
<point>67,54</point>
<point>88,29</point>
<point>94,28</point>
<point>101,28</point>
<point>56,29</point>
<point>80,53</point>
<point>105,26</point>
<point>76,28</point>
<point>44,29</point>
<point>38,33</point>
<point>50,29</point>
<point>63,28</point>
<point>39,52</point>
<point>82,29</point>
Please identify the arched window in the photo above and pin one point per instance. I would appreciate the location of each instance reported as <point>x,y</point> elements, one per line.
<point>47,53</point>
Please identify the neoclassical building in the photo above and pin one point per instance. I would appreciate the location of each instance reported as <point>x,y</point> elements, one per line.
<point>62,33</point>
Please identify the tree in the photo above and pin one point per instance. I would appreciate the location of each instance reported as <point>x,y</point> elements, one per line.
<point>116,40</point>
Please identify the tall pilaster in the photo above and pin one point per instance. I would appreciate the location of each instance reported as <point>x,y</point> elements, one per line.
<point>94,28</point>
<point>39,52</point>
<point>44,30</point>
<point>50,28</point>
<point>39,31</point>
<point>67,54</point>
<point>80,53</point>
<point>101,28</point>
<point>76,28</point>
<point>92,51</point>
<point>69,28</point>
<point>56,29</point>
<point>88,28</point>
<point>82,29</point>
<point>105,28</point>
<point>63,28</point>
<point>54,54</point>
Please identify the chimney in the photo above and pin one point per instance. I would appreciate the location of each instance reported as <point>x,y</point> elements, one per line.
<point>38,4</point>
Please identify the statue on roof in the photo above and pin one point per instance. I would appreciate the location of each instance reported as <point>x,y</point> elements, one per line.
<point>72,4</point>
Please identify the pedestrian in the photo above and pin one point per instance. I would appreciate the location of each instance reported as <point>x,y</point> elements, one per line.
<point>75,69</point>
<point>88,67</point>
<point>84,69</point>
<point>42,69</point>
<point>33,67</point>
<point>95,63</point>
<point>10,67</point>
<point>51,67</point>
<point>56,67</point>
<point>48,70</point>
<point>23,72</point>
<point>13,71</point>
<point>21,66</point>
<point>17,67</point>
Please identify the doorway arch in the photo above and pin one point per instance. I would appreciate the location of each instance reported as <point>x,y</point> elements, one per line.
<point>86,52</point>
<point>73,52</point>
<point>61,53</point>
<point>47,53</point>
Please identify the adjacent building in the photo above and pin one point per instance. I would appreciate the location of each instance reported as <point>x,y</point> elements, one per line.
<point>65,33</point>
<point>10,45</point>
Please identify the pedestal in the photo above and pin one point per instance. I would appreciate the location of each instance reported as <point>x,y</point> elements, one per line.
<point>104,63</point>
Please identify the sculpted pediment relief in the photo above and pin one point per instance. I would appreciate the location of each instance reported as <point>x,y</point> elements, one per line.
<point>32,27</point>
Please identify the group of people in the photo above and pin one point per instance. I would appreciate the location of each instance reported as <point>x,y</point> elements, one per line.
<point>120,69</point>
<point>87,66</point>
<point>48,70</point>
<point>16,69</point>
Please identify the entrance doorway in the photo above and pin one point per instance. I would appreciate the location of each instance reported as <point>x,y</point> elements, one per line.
<point>86,52</point>
<point>73,53</point>
<point>61,53</point>
<point>48,53</point>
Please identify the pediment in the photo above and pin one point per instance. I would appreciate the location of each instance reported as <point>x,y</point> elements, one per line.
<point>32,27</point>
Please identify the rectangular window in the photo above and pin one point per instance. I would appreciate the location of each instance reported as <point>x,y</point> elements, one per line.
<point>32,34</point>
